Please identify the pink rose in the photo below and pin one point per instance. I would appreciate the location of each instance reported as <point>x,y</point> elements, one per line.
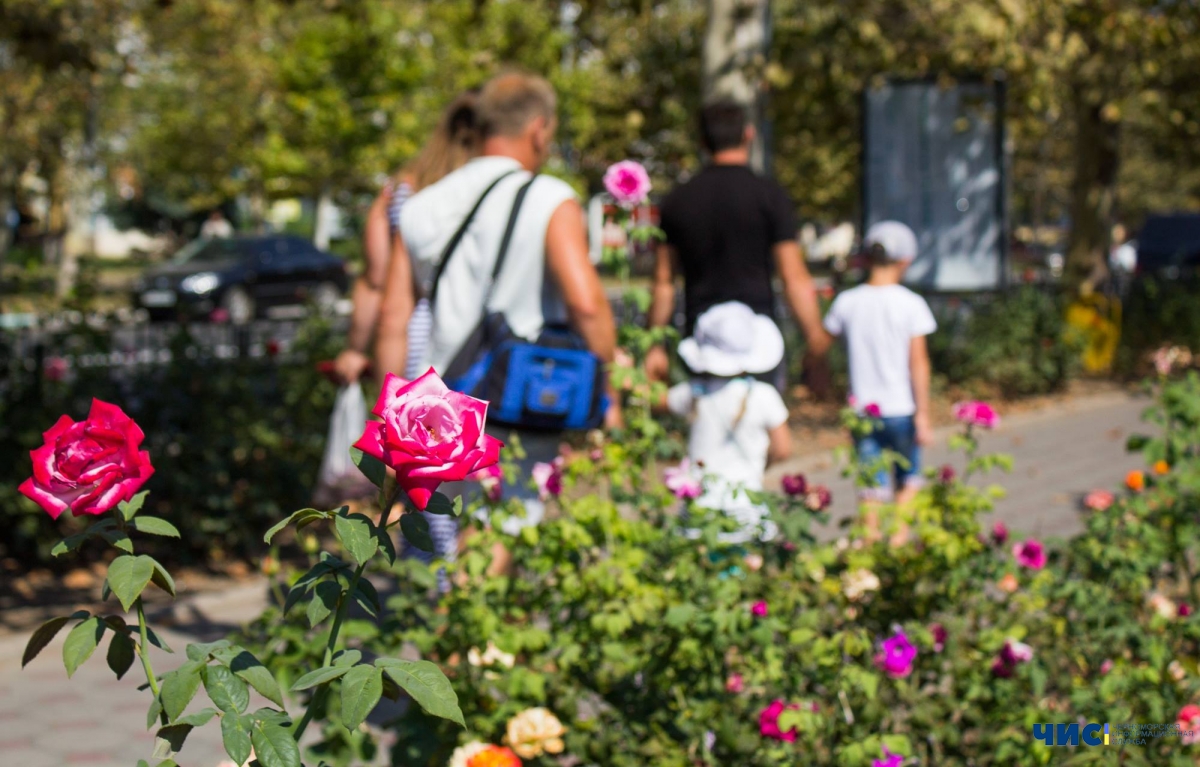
<point>1098,500</point>
<point>896,655</point>
<point>1030,554</point>
<point>872,411</point>
<point>1012,654</point>
<point>759,609</point>
<point>1184,610</point>
<point>548,478</point>
<point>491,480</point>
<point>818,498</point>
<point>999,533</point>
<point>946,474</point>
<point>768,721</point>
<point>976,413</point>
<point>90,466</point>
<point>939,637</point>
<point>1188,720</point>
<point>682,481</point>
<point>735,684</point>
<point>628,183</point>
<point>1106,666</point>
<point>795,484</point>
<point>55,369</point>
<point>429,435</point>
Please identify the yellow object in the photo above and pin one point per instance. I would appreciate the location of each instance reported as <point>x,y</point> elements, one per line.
<point>1097,320</point>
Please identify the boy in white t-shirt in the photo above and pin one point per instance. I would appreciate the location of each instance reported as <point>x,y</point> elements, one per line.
<point>885,324</point>
<point>738,424</point>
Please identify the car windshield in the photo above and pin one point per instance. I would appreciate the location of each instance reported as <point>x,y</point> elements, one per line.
<point>205,250</point>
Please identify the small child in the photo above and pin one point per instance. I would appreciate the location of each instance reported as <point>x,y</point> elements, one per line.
<point>738,423</point>
<point>885,324</point>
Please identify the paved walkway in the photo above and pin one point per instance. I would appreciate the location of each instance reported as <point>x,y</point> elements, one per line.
<point>48,721</point>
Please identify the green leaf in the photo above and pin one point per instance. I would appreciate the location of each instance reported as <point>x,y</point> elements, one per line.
<point>118,539</point>
<point>235,732</point>
<point>356,534</point>
<point>153,714</point>
<point>229,693</point>
<point>324,601</point>
<point>305,582</point>
<point>371,467</point>
<point>128,576</point>
<point>157,641</point>
<point>154,526</point>
<point>249,669</point>
<point>82,642</point>
<point>300,519</point>
<point>179,687</point>
<point>426,684</point>
<point>362,687</point>
<point>168,741</point>
<point>130,508</point>
<point>273,745</point>
<point>161,577</point>
<point>347,658</point>
<point>385,544</point>
<point>120,654</point>
<point>198,719</point>
<point>367,596</point>
<point>440,504</point>
<point>318,677</point>
<point>416,530</point>
<point>201,650</point>
<point>45,634</point>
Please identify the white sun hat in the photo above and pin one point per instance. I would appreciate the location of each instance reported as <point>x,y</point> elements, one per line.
<point>730,340</point>
<point>897,240</point>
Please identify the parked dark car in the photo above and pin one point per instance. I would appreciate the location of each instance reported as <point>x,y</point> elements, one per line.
<point>236,278</point>
<point>1169,245</point>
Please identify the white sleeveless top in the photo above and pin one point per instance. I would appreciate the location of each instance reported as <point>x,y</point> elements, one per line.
<point>430,218</point>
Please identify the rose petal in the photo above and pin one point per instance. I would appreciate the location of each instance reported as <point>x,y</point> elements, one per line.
<point>51,503</point>
<point>371,441</point>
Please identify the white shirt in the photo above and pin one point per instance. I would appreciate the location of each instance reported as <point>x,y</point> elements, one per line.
<point>430,218</point>
<point>879,323</point>
<point>730,436</point>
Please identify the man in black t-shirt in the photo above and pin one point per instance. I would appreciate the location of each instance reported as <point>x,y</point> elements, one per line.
<point>729,232</point>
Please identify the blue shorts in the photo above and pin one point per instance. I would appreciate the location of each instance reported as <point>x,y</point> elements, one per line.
<point>899,435</point>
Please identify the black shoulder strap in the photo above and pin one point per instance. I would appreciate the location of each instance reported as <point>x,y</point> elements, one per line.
<point>452,244</point>
<point>508,233</point>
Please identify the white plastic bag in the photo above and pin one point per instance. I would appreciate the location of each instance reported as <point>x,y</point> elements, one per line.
<point>339,479</point>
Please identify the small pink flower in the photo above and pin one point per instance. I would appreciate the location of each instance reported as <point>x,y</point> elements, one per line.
<point>889,760</point>
<point>759,609</point>
<point>1011,655</point>
<point>1030,554</point>
<point>795,484</point>
<point>896,655</point>
<point>548,478</point>
<point>628,183</point>
<point>872,411</point>
<point>1188,720</point>
<point>946,474</point>
<point>682,481</point>
<point>818,498</point>
<point>852,401</point>
<point>999,533</point>
<point>939,637</point>
<point>768,721</point>
<point>490,479</point>
<point>1106,666</point>
<point>55,369</point>
<point>735,684</point>
<point>1184,610</point>
<point>975,413</point>
<point>1098,500</point>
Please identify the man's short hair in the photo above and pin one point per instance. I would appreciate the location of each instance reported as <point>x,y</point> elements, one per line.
<point>510,101</point>
<point>722,125</point>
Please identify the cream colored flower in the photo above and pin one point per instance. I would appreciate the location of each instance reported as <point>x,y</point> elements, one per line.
<point>533,731</point>
<point>1162,605</point>
<point>492,656</point>
<point>1177,671</point>
<point>856,583</point>
<point>462,755</point>
<point>754,562</point>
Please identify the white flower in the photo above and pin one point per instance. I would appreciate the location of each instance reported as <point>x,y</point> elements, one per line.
<point>856,583</point>
<point>1162,605</point>
<point>492,656</point>
<point>533,731</point>
<point>463,754</point>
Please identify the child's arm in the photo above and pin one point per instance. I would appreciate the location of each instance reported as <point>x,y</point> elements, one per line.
<point>919,367</point>
<point>780,446</point>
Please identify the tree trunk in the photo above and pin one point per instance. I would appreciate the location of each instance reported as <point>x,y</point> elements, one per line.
<point>324,215</point>
<point>735,47</point>
<point>1093,193</point>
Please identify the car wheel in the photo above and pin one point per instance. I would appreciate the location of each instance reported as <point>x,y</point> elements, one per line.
<point>239,305</point>
<point>326,297</point>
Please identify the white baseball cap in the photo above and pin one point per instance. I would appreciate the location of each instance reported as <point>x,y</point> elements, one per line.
<point>897,240</point>
<point>730,339</point>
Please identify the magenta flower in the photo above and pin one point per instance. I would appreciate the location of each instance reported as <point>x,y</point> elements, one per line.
<point>896,655</point>
<point>889,760</point>
<point>1030,554</point>
<point>548,478</point>
<point>682,481</point>
<point>1106,666</point>
<point>1013,654</point>
<point>759,609</point>
<point>795,484</point>
<point>999,533</point>
<point>1184,610</point>
<point>939,637</point>
<point>946,474</point>
<point>975,413</point>
<point>768,721</point>
<point>735,684</point>
<point>818,498</point>
<point>872,411</point>
<point>628,182</point>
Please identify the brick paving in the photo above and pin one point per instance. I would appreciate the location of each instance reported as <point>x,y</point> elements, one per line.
<point>47,720</point>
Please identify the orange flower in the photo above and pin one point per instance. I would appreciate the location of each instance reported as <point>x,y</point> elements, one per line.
<point>1161,467</point>
<point>1008,583</point>
<point>1136,480</point>
<point>494,756</point>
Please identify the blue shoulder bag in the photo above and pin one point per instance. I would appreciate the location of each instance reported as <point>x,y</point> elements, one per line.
<point>551,383</point>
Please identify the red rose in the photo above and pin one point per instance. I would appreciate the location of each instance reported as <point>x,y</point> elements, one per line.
<point>429,435</point>
<point>91,466</point>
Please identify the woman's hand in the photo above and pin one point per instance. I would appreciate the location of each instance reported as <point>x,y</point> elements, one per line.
<point>350,366</point>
